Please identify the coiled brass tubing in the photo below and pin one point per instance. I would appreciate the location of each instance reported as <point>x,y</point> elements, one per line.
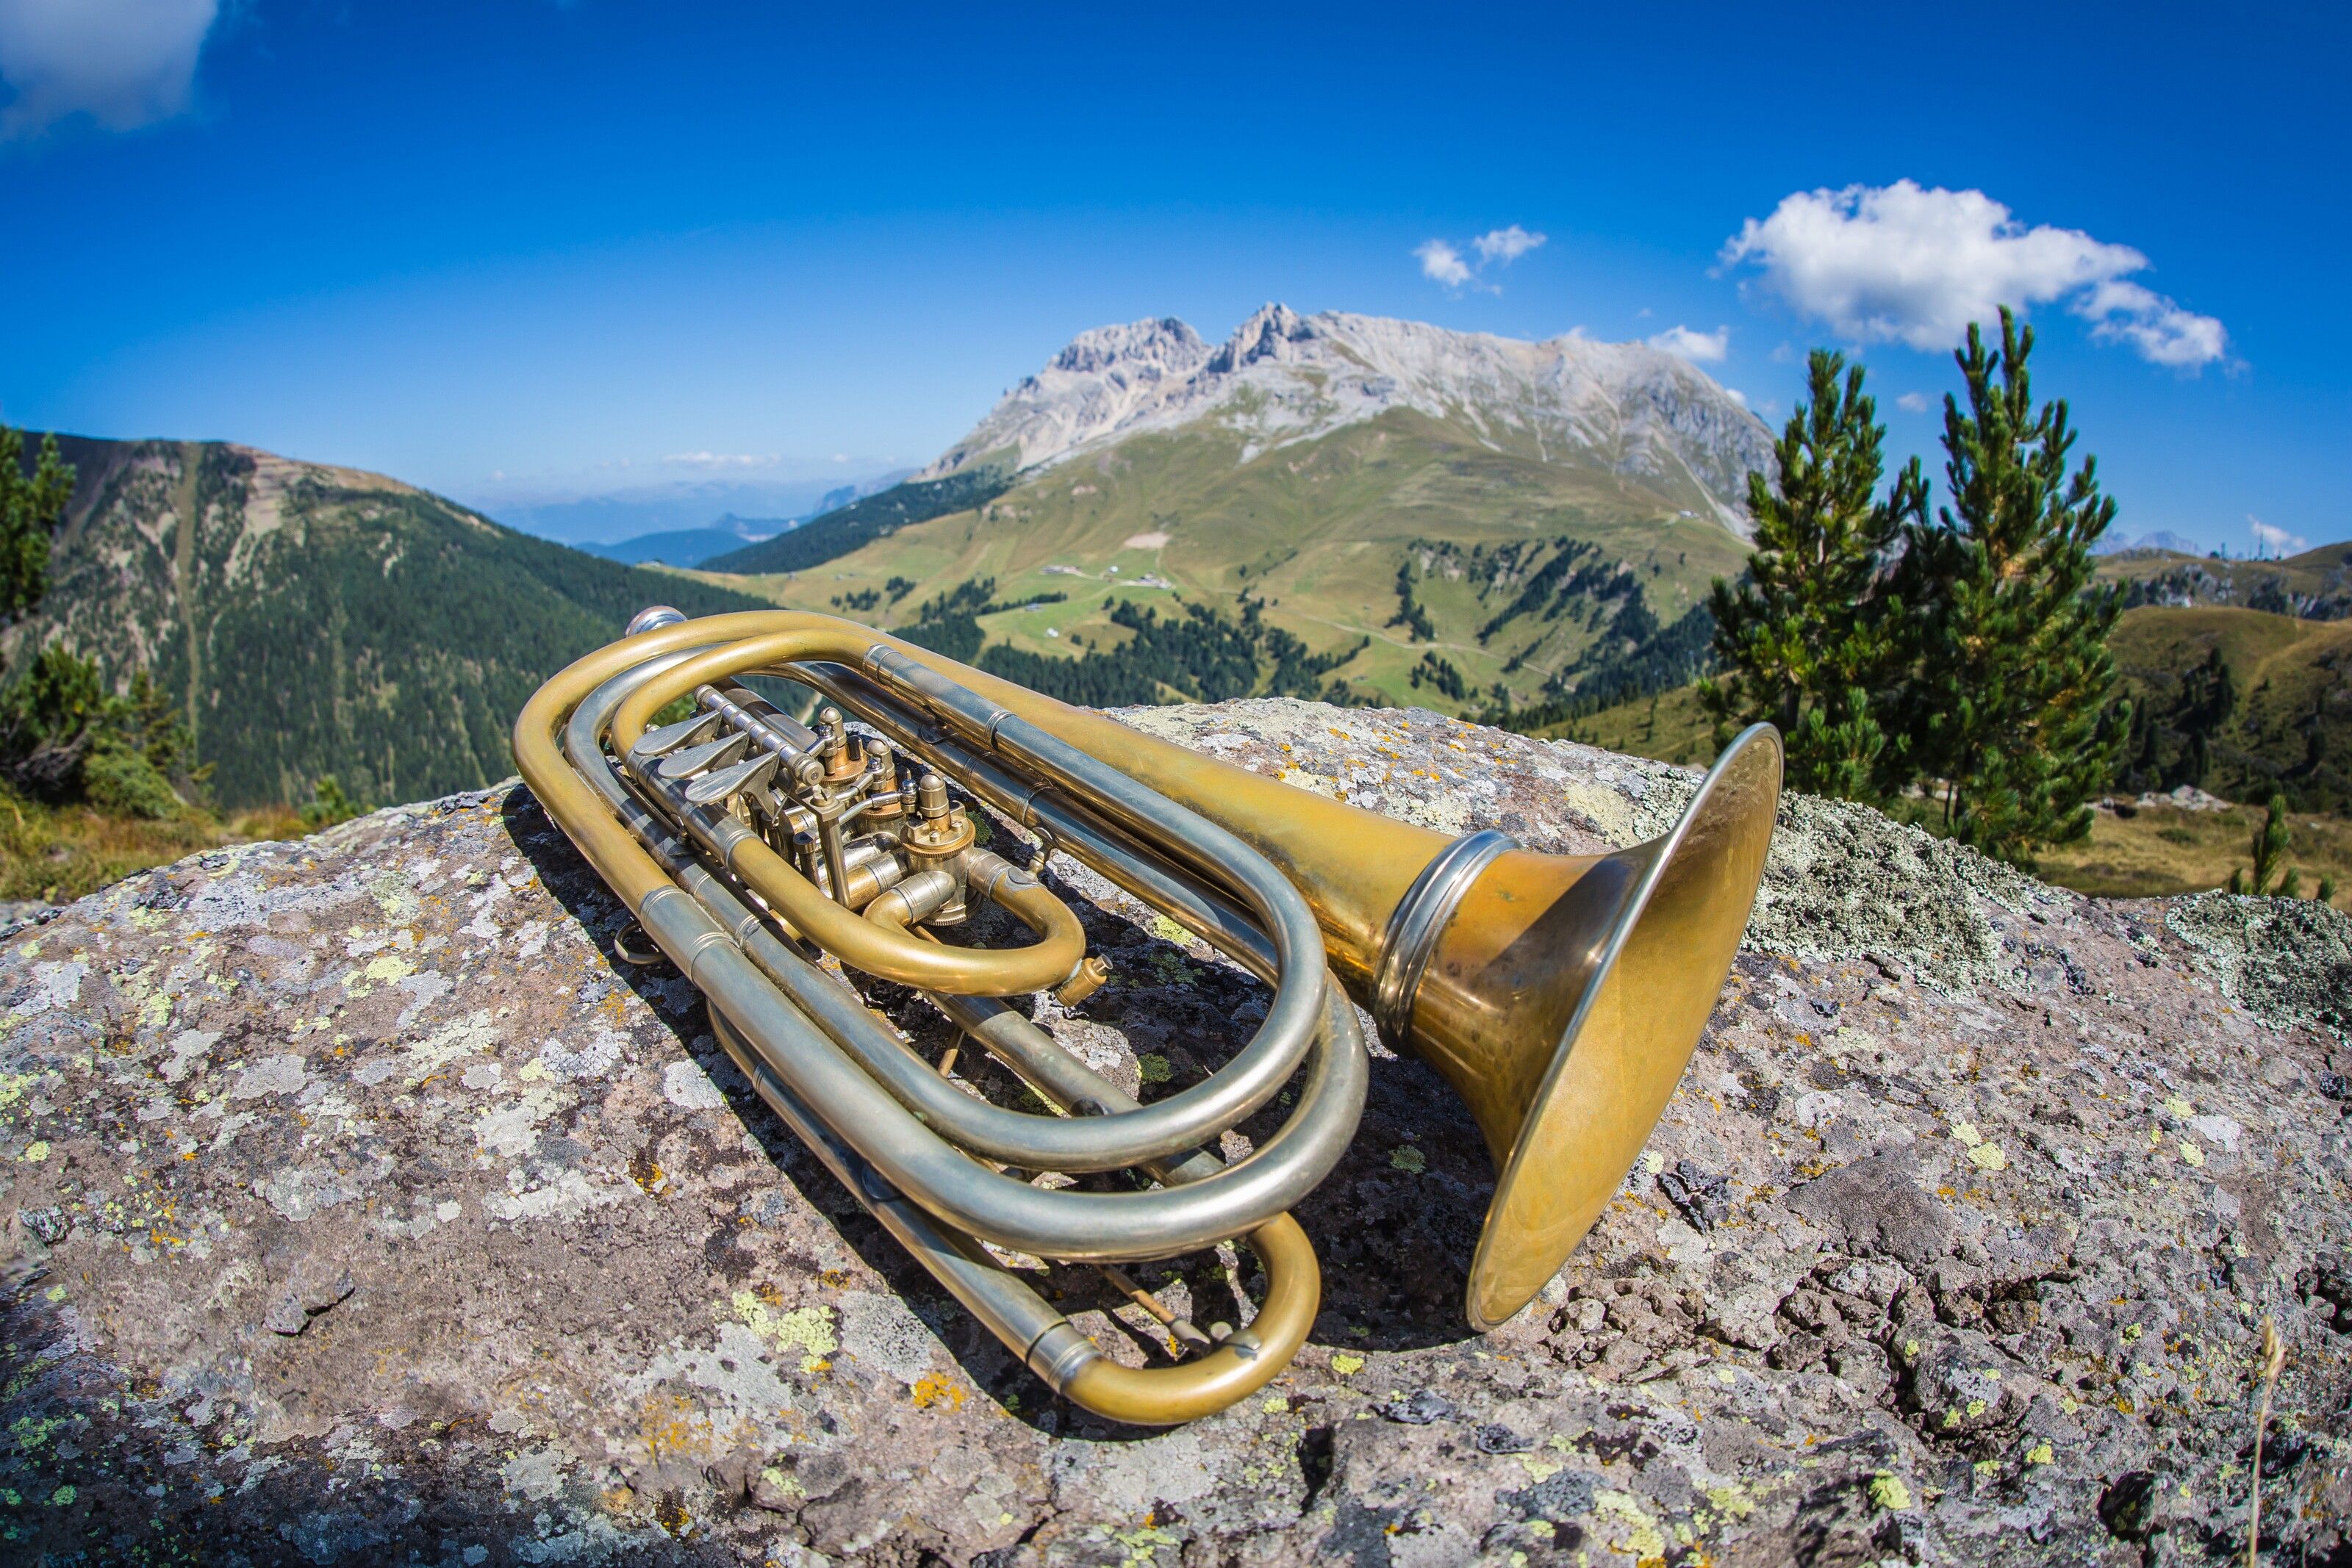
<point>711,892</point>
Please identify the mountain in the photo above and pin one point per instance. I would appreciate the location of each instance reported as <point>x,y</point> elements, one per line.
<point>692,547</point>
<point>2169,543</point>
<point>665,508</point>
<point>2239,702</point>
<point>316,620</point>
<point>1283,380</point>
<point>1424,513</point>
<point>2313,586</point>
<point>859,522</point>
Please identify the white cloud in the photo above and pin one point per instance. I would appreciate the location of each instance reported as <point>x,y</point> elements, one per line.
<point>1507,246</point>
<point>1442,263</point>
<point>723,459</point>
<point>124,63</point>
<point>1906,265</point>
<point>1912,402</point>
<point>2163,332</point>
<point>2271,541</point>
<point>1441,260</point>
<point>1736,395</point>
<point>1700,348</point>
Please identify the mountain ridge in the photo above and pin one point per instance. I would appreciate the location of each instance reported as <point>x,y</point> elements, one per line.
<point>1281,379</point>
<point>315,619</point>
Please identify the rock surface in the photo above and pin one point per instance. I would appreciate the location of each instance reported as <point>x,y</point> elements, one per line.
<point>365,1209</point>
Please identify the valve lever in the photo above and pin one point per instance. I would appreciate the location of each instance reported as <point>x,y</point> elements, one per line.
<point>727,782</point>
<point>695,760</point>
<point>670,737</point>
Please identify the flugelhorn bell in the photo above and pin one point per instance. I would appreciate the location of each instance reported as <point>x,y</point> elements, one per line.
<point>1562,997</point>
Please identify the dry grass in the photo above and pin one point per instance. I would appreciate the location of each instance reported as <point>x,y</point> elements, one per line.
<point>2163,850</point>
<point>57,854</point>
<point>2155,850</point>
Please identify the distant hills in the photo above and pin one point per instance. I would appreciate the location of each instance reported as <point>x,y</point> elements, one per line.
<point>2314,585</point>
<point>693,547</point>
<point>318,621</point>
<point>670,506</point>
<point>2281,721</point>
<point>1472,510</point>
<point>2170,543</point>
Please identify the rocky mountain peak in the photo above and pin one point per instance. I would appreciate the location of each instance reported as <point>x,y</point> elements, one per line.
<point>1272,332</point>
<point>1133,350</point>
<point>1281,378</point>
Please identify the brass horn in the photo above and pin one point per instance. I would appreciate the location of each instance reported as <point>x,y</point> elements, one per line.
<point>1560,996</point>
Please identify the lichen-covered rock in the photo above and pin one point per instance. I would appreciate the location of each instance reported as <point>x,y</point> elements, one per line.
<point>363,1207</point>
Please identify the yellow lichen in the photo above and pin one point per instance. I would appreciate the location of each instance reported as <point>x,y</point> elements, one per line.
<point>1642,1536</point>
<point>935,1390</point>
<point>805,1329</point>
<point>13,1086</point>
<point>1347,1366</point>
<point>1889,1492</point>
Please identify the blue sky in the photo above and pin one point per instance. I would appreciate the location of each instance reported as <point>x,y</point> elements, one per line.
<point>512,248</point>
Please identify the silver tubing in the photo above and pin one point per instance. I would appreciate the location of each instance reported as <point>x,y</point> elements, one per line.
<point>1417,922</point>
<point>711,936</point>
<point>1086,1227</point>
<point>1056,1075</point>
<point>1015,1137</point>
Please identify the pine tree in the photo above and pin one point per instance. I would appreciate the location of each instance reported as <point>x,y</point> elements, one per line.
<point>2007,706</point>
<point>30,510</point>
<point>2267,848</point>
<point>1808,636</point>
